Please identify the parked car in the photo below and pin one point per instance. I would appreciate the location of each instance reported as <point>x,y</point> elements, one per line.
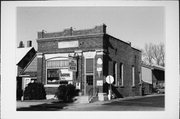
<point>160,90</point>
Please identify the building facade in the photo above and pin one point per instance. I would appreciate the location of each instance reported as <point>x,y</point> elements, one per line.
<point>26,68</point>
<point>85,58</point>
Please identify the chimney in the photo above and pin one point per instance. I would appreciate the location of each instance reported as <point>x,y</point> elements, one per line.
<point>21,44</point>
<point>29,43</point>
<point>101,29</point>
<point>104,28</point>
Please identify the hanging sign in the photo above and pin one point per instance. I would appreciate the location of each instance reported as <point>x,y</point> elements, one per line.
<point>72,64</point>
<point>99,61</point>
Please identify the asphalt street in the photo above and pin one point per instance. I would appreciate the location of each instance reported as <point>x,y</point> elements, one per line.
<point>155,103</point>
<point>147,103</point>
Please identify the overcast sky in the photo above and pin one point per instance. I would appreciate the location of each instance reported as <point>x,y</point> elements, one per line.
<point>139,25</point>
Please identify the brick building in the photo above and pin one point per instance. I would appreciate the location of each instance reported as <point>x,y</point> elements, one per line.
<point>84,58</point>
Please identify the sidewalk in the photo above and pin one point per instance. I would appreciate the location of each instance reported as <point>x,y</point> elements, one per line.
<point>28,103</point>
<point>22,104</point>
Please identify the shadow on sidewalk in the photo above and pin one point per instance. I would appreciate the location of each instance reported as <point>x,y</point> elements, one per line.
<point>147,101</point>
<point>54,106</point>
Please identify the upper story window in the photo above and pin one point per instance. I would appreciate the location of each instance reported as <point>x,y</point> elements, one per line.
<point>133,76</point>
<point>121,74</point>
<point>115,73</point>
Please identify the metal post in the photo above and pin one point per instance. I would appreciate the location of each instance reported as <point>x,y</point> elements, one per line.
<point>109,96</point>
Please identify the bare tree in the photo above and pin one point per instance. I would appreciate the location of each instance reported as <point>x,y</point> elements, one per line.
<point>162,50</point>
<point>154,54</point>
<point>147,54</point>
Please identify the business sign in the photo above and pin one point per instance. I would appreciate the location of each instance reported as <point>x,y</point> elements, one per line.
<point>99,83</point>
<point>66,75</point>
<point>72,64</point>
<point>99,69</point>
<point>99,61</point>
<point>99,66</point>
<point>68,44</point>
<point>109,79</point>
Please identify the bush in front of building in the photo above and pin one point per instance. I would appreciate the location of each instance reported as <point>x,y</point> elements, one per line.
<point>66,93</point>
<point>35,91</point>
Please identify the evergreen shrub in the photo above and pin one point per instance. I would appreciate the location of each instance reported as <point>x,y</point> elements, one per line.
<point>66,93</point>
<point>35,91</point>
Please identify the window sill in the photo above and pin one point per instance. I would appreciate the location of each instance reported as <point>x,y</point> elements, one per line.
<point>118,86</point>
<point>51,85</point>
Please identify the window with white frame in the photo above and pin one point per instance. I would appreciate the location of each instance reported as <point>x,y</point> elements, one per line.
<point>52,76</point>
<point>133,76</point>
<point>115,73</point>
<point>121,70</point>
<point>89,65</point>
<point>89,71</point>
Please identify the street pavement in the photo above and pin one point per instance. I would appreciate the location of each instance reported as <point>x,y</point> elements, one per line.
<point>147,103</point>
<point>138,103</point>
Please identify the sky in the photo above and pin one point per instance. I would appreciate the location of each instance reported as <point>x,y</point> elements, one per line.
<point>138,25</point>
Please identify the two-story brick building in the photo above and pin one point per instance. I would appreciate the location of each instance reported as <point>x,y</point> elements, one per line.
<point>84,58</point>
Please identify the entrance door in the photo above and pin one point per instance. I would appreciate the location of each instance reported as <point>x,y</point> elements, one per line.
<point>89,73</point>
<point>89,85</point>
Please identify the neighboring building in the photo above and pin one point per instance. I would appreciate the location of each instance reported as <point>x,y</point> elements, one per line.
<point>147,86</point>
<point>26,68</point>
<point>84,58</point>
<point>158,76</point>
<point>152,78</point>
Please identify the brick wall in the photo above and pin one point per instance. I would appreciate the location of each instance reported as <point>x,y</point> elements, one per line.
<point>50,90</point>
<point>122,52</point>
<point>85,43</point>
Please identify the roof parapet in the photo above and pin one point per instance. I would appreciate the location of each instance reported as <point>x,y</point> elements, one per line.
<point>71,32</point>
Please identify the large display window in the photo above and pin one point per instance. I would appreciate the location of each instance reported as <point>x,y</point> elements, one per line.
<point>57,72</point>
<point>53,76</point>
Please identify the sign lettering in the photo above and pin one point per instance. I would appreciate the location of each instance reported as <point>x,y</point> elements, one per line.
<point>72,64</point>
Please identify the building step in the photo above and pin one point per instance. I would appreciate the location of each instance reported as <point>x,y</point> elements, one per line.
<point>82,99</point>
<point>93,99</point>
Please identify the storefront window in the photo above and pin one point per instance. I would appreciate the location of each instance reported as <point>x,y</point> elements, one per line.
<point>52,76</point>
